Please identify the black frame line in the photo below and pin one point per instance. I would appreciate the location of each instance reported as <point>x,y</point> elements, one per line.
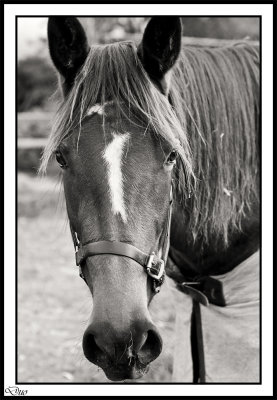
<point>16,205</point>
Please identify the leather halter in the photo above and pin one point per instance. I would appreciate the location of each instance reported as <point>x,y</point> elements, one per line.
<point>154,266</point>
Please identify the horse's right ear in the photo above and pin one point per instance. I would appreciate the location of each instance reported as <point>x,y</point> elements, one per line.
<point>68,46</point>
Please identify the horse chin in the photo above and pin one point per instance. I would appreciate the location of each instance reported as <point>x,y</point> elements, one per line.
<point>119,373</point>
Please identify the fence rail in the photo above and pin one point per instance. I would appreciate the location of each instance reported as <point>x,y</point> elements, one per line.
<point>210,42</point>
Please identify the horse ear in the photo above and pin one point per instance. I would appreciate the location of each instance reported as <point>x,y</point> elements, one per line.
<point>160,46</point>
<point>68,46</point>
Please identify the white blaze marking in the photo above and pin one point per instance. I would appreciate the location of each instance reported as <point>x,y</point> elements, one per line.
<point>97,108</point>
<point>113,157</point>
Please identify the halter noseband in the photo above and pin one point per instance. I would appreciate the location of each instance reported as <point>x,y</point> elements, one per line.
<point>154,266</point>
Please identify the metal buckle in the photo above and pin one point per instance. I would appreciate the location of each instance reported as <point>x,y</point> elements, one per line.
<point>156,274</point>
<point>79,255</point>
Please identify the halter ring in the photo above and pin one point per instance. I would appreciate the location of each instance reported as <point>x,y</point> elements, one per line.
<point>156,270</point>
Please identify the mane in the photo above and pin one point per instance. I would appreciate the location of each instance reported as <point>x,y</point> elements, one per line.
<point>212,122</point>
<point>215,92</point>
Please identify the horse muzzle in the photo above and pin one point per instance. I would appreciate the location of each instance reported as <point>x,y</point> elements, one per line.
<point>122,355</point>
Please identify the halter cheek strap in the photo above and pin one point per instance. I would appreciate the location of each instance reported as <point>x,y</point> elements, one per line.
<point>154,266</point>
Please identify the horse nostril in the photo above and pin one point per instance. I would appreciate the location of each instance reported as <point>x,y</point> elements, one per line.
<point>151,348</point>
<point>92,351</point>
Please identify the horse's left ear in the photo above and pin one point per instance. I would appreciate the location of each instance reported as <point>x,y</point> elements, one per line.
<point>68,46</point>
<point>160,46</point>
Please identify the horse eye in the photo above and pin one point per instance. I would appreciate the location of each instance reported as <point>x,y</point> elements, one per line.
<point>171,159</point>
<point>60,159</point>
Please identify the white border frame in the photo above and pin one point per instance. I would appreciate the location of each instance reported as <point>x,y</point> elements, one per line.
<point>266,11</point>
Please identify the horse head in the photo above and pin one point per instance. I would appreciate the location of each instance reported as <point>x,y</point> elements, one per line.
<point>116,140</point>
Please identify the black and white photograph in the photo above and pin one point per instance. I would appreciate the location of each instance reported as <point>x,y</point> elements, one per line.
<point>138,183</point>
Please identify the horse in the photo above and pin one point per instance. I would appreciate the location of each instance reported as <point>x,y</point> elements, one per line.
<point>158,144</point>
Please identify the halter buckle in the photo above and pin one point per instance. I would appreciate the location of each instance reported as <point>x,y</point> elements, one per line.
<point>155,270</point>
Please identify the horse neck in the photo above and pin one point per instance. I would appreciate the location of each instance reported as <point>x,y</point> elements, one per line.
<point>211,255</point>
<point>196,257</point>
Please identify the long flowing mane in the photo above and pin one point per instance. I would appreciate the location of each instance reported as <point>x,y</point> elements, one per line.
<point>215,92</point>
<point>213,121</point>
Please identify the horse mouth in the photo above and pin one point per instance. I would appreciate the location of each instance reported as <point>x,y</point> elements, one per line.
<point>134,370</point>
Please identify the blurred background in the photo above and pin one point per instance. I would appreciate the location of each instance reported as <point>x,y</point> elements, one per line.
<point>54,304</point>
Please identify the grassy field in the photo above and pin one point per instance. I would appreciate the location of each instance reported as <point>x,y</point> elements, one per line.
<point>54,304</point>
